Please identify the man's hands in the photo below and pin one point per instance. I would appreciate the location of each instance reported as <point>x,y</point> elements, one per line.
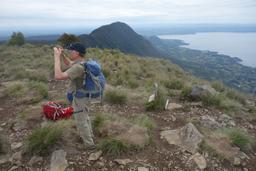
<point>57,52</point>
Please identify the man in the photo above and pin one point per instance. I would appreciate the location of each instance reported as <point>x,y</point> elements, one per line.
<point>75,73</point>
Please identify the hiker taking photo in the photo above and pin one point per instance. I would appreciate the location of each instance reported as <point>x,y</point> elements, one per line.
<point>86,83</point>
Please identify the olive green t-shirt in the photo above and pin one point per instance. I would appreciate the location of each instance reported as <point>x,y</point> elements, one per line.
<point>76,75</point>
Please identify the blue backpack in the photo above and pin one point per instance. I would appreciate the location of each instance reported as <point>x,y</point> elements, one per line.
<point>94,82</point>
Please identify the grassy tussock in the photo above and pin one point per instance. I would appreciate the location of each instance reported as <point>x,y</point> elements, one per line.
<point>112,146</point>
<point>239,138</point>
<point>116,97</point>
<point>158,103</point>
<point>42,139</point>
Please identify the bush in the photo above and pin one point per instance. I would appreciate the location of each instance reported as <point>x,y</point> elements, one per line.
<point>158,103</point>
<point>115,97</point>
<point>14,90</point>
<point>39,87</point>
<point>17,39</point>
<point>240,138</point>
<point>211,100</point>
<point>185,92</point>
<point>218,86</point>
<point>173,84</point>
<point>41,140</point>
<point>113,147</point>
<point>65,39</point>
<point>133,84</point>
<point>232,94</point>
<point>145,121</point>
<point>97,122</point>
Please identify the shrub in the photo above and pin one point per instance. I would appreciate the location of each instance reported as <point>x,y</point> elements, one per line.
<point>186,90</point>
<point>133,83</point>
<point>97,122</point>
<point>14,90</point>
<point>41,140</point>
<point>241,139</point>
<point>17,39</point>
<point>211,100</point>
<point>116,97</point>
<point>113,147</point>
<point>218,86</point>
<point>173,84</point>
<point>39,87</point>
<point>66,39</point>
<point>158,103</point>
<point>145,121</point>
<point>232,94</point>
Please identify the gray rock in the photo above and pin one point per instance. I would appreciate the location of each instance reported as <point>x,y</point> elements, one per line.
<point>16,157</point>
<point>199,160</point>
<point>209,122</point>
<point>187,137</point>
<point>123,161</point>
<point>13,168</point>
<point>4,160</point>
<point>95,156</point>
<point>34,160</point>
<point>237,161</point>
<point>16,145</point>
<point>58,161</point>
<point>198,91</point>
<point>143,169</point>
<point>173,106</point>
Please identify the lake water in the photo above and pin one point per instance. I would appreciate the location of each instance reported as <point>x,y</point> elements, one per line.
<point>241,45</point>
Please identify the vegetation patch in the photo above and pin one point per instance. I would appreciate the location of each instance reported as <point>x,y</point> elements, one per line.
<point>42,139</point>
<point>115,97</point>
<point>158,103</point>
<point>113,147</point>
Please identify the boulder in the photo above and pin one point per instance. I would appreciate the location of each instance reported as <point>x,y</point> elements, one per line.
<point>172,106</point>
<point>209,122</point>
<point>198,91</point>
<point>187,137</point>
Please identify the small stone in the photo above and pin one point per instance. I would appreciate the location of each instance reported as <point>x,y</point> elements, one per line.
<point>34,160</point>
<point>58,161</point>
<point>16,145</point>
<point>199,160</point>
<point>123,161</point>
<point>95,156</point>
<point>1,109</point>
<point>143,169</point>
<point>173,118</point>
<point>4,160</point>
<point>3,124</point>
<point>16,157</point>
<point>1,129</point>
<point>237,161</point>
<point>13,168</point>
<point>173,106</point>
<point>245,169</point>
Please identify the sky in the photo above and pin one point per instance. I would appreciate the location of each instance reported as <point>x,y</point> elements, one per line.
<point>69,14</point>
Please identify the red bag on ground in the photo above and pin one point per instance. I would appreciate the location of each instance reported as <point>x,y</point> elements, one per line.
<point>55,111</point>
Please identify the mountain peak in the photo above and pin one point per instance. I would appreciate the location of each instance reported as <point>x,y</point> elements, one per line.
<point>119,35</point>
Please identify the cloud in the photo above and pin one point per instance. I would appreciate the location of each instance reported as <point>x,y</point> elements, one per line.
<point>28,13</point>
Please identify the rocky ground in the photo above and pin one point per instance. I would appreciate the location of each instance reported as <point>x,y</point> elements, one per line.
<point>175,142</point>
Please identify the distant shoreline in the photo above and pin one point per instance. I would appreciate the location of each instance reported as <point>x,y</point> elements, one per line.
<point>193,44</point>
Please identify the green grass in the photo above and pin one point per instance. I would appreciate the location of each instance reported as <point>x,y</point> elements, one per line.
<point>158,103</point>
<point>39,87</point>
<point>174,84</point>
<point>41,140</point>
<point>204,147</point>
<point>115,97</point>
<point>186,90</point>
<point>239,138</point>
<point>113,147</point>
<point>145,121</point>
<point>98,122</point>
<point>15,90</point>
